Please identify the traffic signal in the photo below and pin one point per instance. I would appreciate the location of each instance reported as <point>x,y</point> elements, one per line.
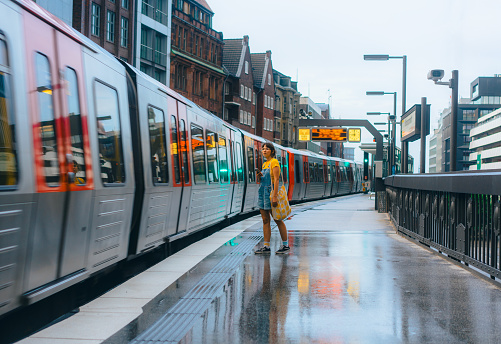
<point>366,166</point>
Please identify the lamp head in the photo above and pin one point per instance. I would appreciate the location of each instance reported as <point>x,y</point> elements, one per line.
<point>436,74</point>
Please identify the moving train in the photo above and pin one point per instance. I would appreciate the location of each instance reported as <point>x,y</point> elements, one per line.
<point>100,163</point>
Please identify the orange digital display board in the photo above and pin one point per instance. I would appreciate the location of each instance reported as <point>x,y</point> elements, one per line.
<point>323,134</point>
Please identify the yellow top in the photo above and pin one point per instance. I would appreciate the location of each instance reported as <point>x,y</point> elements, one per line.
<point>271,164</point>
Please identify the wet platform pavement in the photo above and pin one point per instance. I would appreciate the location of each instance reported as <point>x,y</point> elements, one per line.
<point>349,278</point>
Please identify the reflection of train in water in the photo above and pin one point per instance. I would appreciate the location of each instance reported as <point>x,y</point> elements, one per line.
<point>99,162</point>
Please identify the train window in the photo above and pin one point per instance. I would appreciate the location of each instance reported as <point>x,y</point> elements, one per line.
<point>250,164</point>
<point>284,169</point>
<point>296,170</point>
<point>8,159</point>
<point>158,147</point>
<point>109,134</point>
<point>184,151</point>
<point>212,157</point>
<point>329,179</point>
<point>312,173</point>
<point>47,130</point>
<point>259,159</point>
<point>223,161</point>
<point>239,162</point>
<point>198,151</point>
<point>174,149</point>
<point>76,133</point>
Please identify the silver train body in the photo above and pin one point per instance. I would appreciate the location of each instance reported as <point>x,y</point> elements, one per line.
<point>100,163</point>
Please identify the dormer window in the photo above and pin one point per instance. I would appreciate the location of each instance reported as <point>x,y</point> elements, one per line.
<point>246,67</point>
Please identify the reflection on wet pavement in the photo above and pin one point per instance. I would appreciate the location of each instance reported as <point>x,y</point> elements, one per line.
<point>349,279</point>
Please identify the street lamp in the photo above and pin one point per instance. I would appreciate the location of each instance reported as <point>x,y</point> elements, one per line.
<point>391,152</point>
<point>436,75</point>
<point>405,145</point>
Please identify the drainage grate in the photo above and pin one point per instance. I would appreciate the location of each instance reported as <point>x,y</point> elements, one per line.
<point>178,321</point>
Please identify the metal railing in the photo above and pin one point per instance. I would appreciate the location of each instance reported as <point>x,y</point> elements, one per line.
<point>146,52</point>
<point>457,213</point>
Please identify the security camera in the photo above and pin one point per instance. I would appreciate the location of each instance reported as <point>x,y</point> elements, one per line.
<point>435,74</point>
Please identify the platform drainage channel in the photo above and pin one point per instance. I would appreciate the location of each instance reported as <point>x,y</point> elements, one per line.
<point>178,321</point>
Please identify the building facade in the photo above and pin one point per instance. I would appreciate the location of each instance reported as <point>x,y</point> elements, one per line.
<point>264,91</point>
<point>196,55</point>
<point>240,96</point>
<point>109,24</point>
<point>308,109</point>
<point>63,9</point>
<point>485,97</point>
<point>153,38</point>
<point>286,110</point>
<point>486,142</point>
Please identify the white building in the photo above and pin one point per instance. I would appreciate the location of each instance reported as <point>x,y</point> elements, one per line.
<point>486,142</point>
<point>153,39</point>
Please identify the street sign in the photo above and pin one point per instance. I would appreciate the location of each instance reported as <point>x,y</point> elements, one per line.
<point>329,135</point>
<point>354,134</point>
<point>304,134</point>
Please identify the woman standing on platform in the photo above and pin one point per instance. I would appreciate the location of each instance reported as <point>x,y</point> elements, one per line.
<point>270,173</point>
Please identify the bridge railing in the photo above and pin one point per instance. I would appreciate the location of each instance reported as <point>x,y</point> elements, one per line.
<point>457,213</point>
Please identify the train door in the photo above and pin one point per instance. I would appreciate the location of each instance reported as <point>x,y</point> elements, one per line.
<point>180,160</point>
<point>236,204</point>
<point>306,177</point>
<point>62,154</point>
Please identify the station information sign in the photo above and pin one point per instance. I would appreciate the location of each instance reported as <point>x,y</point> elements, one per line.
<point>304,134</point>
<point>354,135</point>
<point>329,134</point>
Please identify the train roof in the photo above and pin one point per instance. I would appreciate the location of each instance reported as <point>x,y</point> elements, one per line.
<point>52,20</point>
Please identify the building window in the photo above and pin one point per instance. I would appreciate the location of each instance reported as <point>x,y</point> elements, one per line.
<point>184,38</point>
<point>253,98</point>
<point>246,67</point>
<point>96,16</point>
<point>269,79</point>
<point>180,5</point>
<point>110,26</point>
<point>180,77</point>
<point>125,4</point>
<point>253,121</point>
<point>242,91</point>
<point>241,119</point>
<point>124,32</point>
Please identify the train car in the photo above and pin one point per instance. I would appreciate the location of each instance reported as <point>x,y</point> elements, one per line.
<point>99,162</point>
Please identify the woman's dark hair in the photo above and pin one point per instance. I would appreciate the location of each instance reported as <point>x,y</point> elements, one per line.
<point>271,147</point>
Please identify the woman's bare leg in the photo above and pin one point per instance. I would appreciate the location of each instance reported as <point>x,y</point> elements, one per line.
<point>265,214</point>
<point>282,229</point>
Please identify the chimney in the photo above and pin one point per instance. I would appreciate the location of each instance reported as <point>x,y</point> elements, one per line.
<point>246,40</point>
<point>268,54</point>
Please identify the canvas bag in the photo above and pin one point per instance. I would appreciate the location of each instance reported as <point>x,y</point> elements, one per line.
<point>283,209</point>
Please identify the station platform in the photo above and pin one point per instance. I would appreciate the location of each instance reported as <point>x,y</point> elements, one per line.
<point>349,278</point>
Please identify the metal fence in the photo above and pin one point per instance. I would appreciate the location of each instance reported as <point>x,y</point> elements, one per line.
<point>457,213</point>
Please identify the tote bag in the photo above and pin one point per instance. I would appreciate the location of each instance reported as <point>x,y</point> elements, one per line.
<point>283,209</point>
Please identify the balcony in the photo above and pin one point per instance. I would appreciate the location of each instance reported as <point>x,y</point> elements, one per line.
<point>146,52</point>
<point>153,13</point>
<point>160,58</point>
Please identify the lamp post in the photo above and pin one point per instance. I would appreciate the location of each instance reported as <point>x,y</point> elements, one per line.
<point>404,145</point>
<point>436,75</point>
<point>391,152</point>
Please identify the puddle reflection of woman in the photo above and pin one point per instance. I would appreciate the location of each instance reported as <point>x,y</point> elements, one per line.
<point>270,173</point>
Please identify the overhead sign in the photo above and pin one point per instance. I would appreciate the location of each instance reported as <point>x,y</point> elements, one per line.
<point>329,134</point>
<point>304,134</point>
<point>354,134</point>
<point>411,123</point>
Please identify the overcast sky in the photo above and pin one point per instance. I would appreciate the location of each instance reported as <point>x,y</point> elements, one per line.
<point>321,43</point>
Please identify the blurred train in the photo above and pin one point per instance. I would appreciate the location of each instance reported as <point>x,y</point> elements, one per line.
<point>100,163</point>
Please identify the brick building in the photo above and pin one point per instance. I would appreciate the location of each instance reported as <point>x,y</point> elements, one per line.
<point>264,89</point>
<point>109,24</point>
<point>240,97</point>
<point>196,55</point>
<point>286,110</point>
